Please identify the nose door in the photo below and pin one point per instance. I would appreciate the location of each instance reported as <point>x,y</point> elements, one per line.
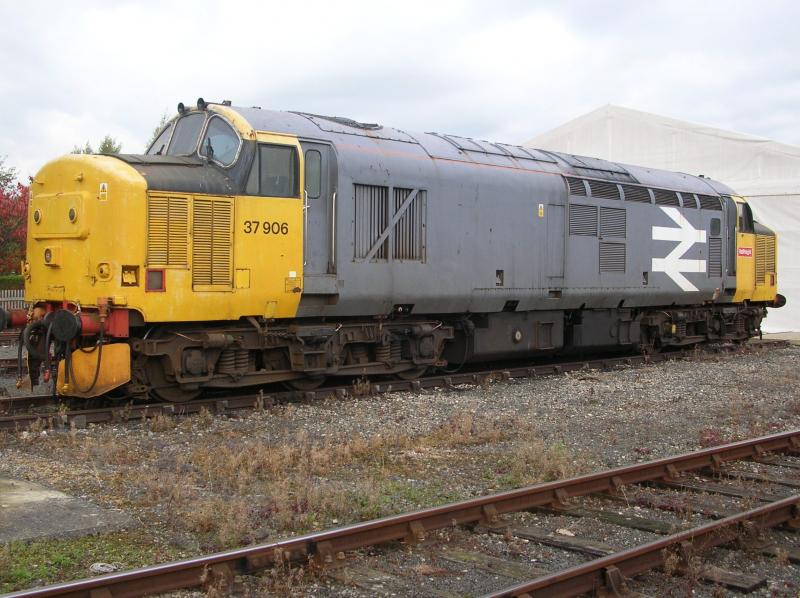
<point>319,208</point>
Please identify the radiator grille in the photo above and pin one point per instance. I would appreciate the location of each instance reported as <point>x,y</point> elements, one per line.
<point>212,227</point>
<point>715,257</point>
<point>640,194</point>
<point>582,220</point>
<point>689,200</point>
<point>612,222</point>
<point>612,257</point>
<point>604,190</point>
<point>409,232</point>
<point>770,257</point>
<point>372,217</point>
<point>709,202</point>
<point>765,257</point>
<point>167,230</point>
<point>666,198</point>
<point>576,186</point>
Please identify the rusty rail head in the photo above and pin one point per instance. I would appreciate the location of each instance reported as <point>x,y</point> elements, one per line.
<point>595,574</point>
<point>409,526</point>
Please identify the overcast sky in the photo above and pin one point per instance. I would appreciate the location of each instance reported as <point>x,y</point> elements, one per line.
<point>503,71</point>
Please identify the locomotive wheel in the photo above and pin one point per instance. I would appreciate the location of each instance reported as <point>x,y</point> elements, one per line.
<point>162,388</point>
<point>307,383</point>
<point>412,374</point>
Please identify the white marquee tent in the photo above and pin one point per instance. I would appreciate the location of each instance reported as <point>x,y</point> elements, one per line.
<point>764,171</point>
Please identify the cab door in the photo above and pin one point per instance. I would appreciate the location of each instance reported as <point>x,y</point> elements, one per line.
<point>319,197</point>
<point>745,252</point>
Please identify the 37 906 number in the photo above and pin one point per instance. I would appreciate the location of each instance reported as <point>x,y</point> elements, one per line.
<point>251,227</point>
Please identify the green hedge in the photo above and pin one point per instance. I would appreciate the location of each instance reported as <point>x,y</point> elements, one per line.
<point>11,281</point>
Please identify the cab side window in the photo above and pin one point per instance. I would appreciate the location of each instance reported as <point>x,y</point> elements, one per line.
<point>275,172</point>
<point>745,218</point>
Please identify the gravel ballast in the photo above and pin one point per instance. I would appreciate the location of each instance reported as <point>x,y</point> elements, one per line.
<point>308,466</point>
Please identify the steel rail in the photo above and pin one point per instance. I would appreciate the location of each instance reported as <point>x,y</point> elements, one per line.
<point>134,411</point>
<point>410,527</point>
<point>610,571</point>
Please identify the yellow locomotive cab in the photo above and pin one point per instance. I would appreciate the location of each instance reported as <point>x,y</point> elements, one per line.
<point>756,258</point>
<point>102,232</point>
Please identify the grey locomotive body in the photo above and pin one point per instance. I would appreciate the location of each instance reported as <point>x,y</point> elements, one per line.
<point>522,250</point>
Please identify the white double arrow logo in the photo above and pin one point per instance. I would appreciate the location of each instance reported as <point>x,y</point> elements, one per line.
<point>674,265</point>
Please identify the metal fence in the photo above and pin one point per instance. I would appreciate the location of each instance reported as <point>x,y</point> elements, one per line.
<point>12,298</point>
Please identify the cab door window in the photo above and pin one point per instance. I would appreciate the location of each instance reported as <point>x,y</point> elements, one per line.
<point>275,172</point>
<point>313,173</point>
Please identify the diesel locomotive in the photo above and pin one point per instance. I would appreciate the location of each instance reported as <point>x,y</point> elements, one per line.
<point>249,247</point>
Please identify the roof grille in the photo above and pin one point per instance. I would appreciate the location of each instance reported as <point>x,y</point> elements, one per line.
<point>666,198</point>
<point>640,194</point>
<point>709,202</point>
<point>576,186</point>
<point>604,190</point>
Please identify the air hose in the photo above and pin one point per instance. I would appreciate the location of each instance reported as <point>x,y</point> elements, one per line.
<point>68,373</point>
<point>20,342</point>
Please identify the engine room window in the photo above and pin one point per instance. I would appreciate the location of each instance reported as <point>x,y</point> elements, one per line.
<point>159,146</point>
<point>187,131</point>
<point>715,226</point>
<point>313,173</point>
<point>220,143</point>
<point>275,173</point>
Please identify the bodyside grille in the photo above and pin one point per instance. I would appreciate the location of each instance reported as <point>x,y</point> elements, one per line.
<point>167,230</point>
<point>715,257</point>
<point>576,186</point>
<point>378,207</point>
<point>409,232</point>
<point>612,222</point>
<point>212,227</point>
<point>640,194</point>
<point>612,257</point>
<point>604,190</point>
<point>666,198</point>
<point>688,200</point>
<point>582,220</point>
<point>372,217</point>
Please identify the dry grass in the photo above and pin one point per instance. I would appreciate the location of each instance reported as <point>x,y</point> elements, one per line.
<point>162,423</point>
<point>533,461</point>
<point>225,488</point>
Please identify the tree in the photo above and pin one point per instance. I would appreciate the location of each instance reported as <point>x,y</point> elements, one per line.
<point>13,215</point>
<point>108,145</point>
<point>7,175</point>
<point>86,149</point>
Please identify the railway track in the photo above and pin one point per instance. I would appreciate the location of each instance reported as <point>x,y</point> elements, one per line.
<point>734,506</point>
<point>8,337</point>
<point>50,411</point>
